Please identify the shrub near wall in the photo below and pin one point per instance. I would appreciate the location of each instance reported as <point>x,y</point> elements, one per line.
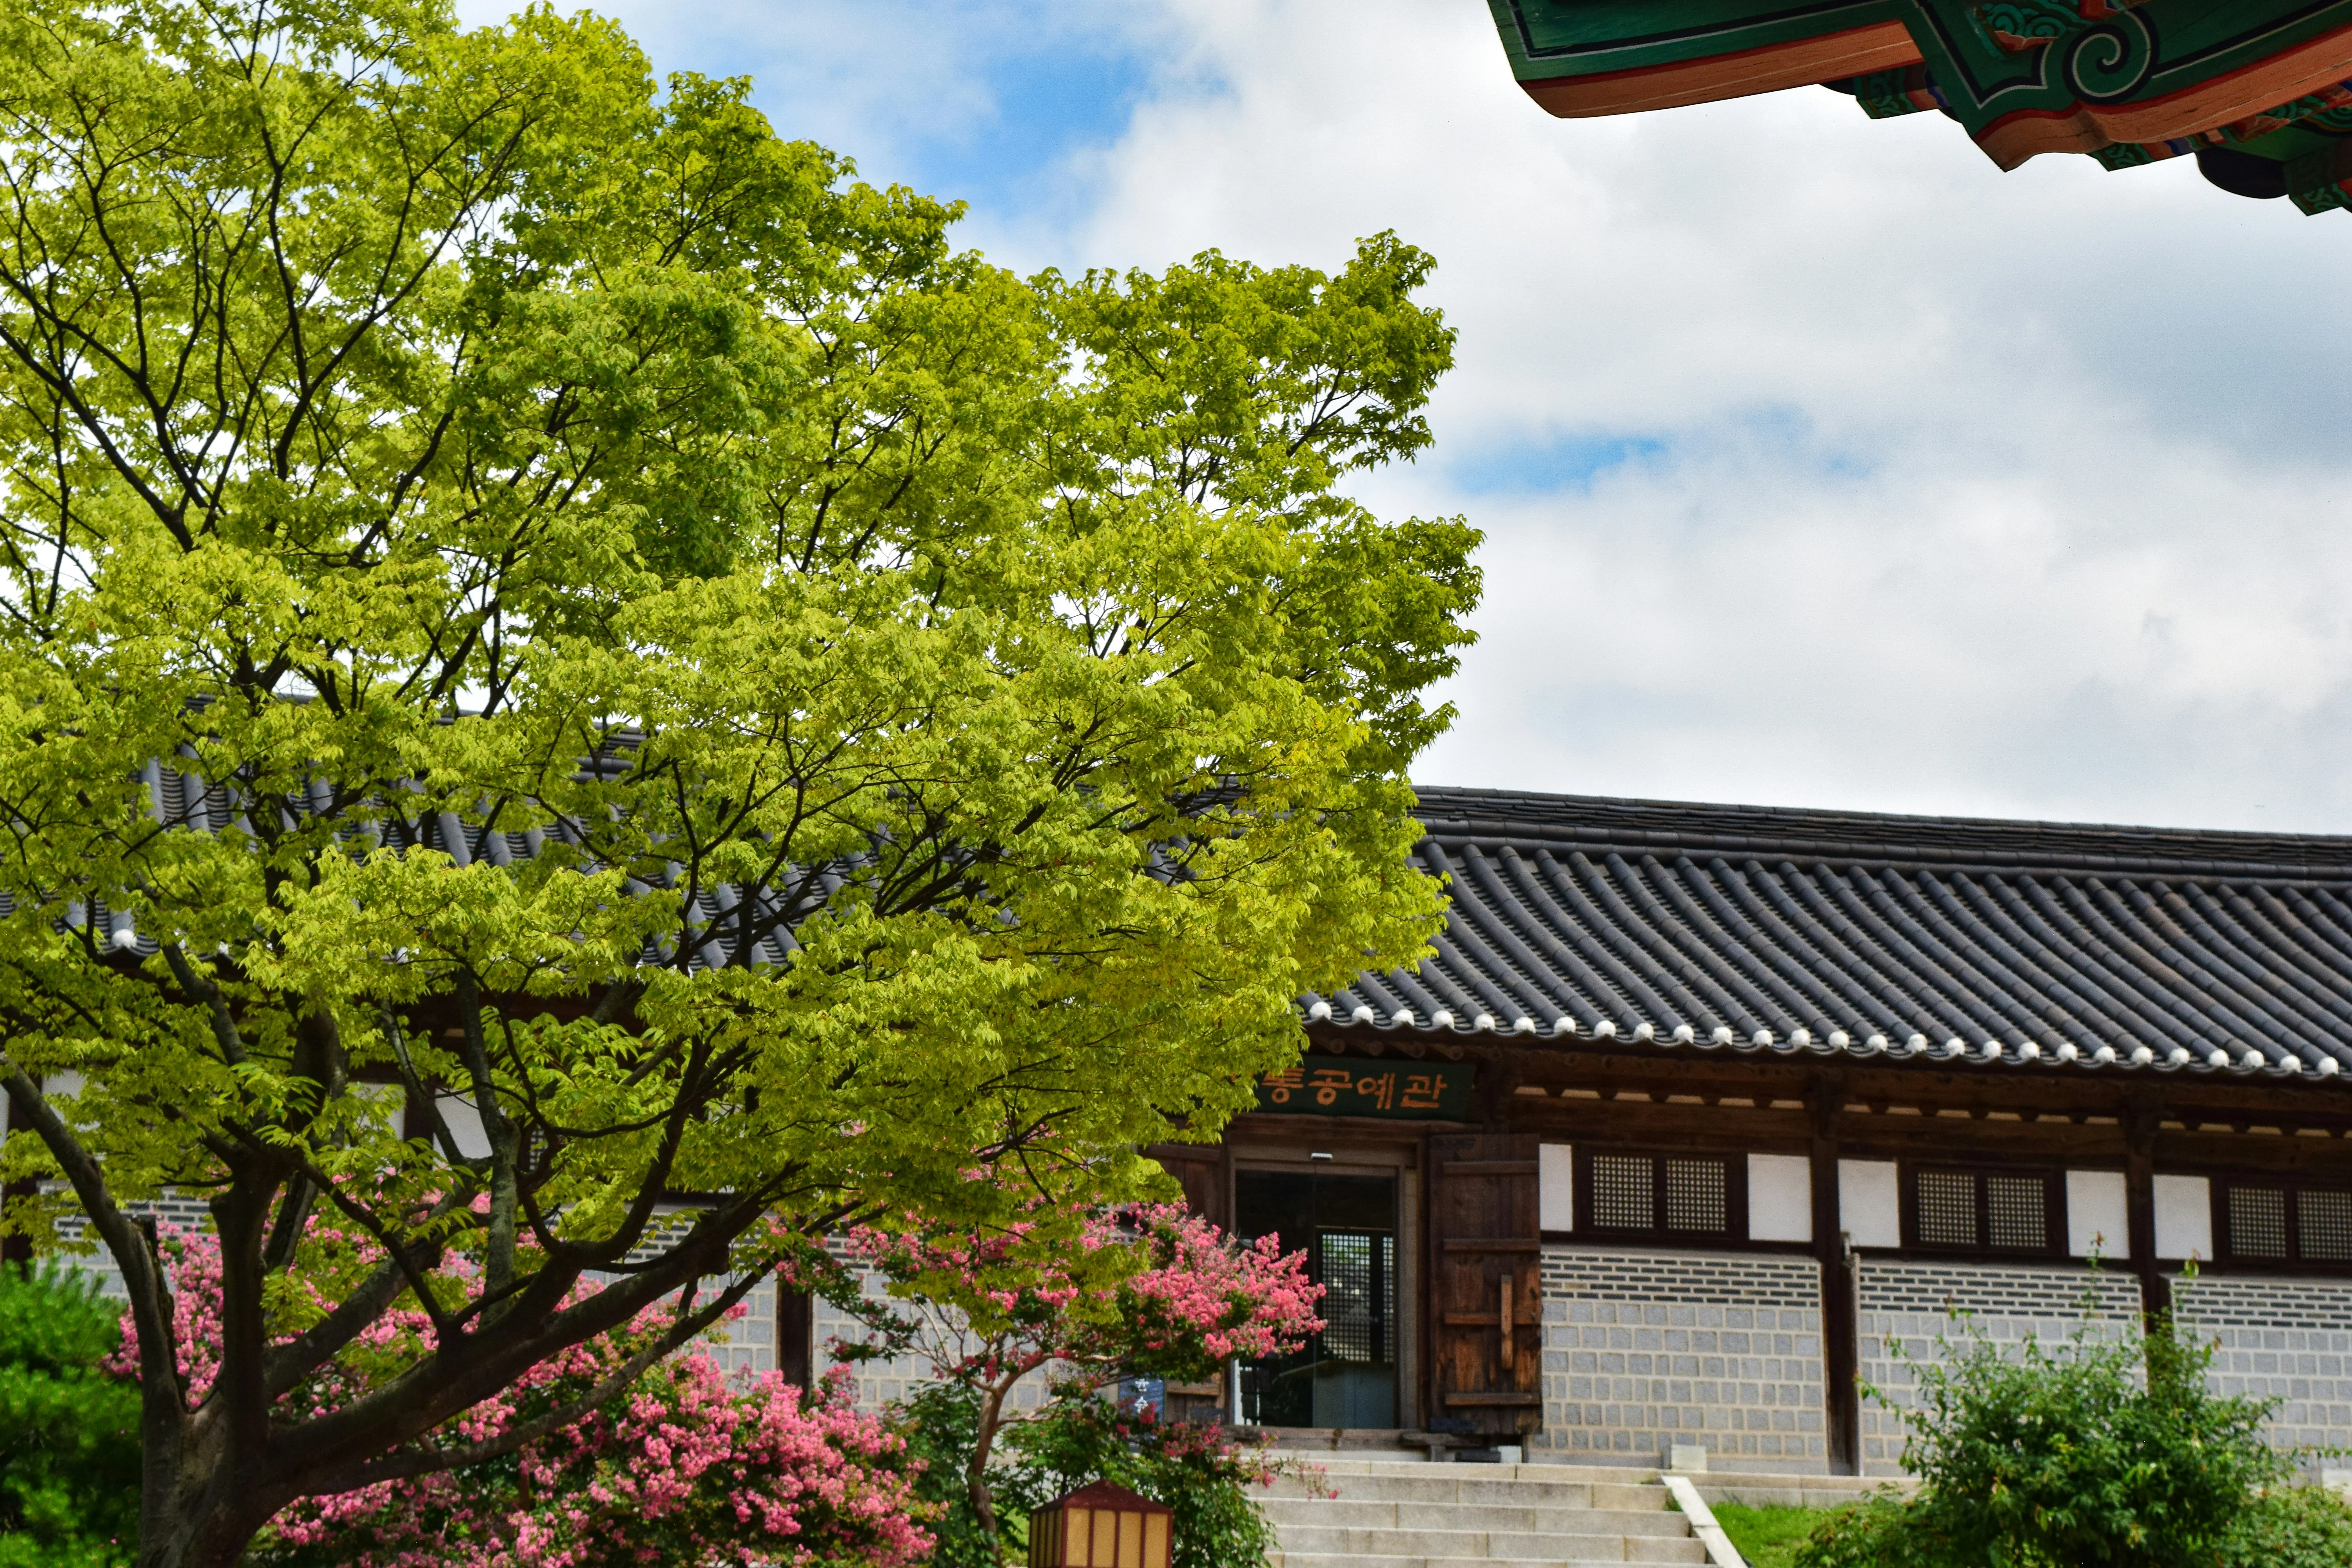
<point>2098,1453</point>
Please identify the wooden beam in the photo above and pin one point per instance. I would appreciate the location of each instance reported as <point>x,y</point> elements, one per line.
<point>1841,1334</point>
<point>2140,1121</point>
<point>2050,1090</point>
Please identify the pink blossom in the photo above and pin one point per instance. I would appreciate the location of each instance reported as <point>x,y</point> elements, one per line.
<point>684,1468</point>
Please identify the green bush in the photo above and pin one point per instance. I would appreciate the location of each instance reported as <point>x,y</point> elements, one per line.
<point>1077,1437</point>
<point>1194,1469</point>
<point>2295,1527</point>
<point>69,1433</point>
<point>1880,1531</point>
<point>2097,1454</point>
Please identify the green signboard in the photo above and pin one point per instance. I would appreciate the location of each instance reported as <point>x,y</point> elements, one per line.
<point>1343,1086</point>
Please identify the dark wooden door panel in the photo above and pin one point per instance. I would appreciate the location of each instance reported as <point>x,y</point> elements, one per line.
<point>1486,1301</point>
<point>1201,1172</point>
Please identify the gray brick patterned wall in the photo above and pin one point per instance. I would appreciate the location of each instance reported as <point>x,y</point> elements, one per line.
<point>1645,1350</point>
<point>745,1347</point>
<point>2287,1339</point>
<point>881,1381</point>
<point>1915,1305</point>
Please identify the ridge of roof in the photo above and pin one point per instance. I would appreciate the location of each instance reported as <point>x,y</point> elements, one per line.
<point>1618,821</point>
<point>2062,946</point>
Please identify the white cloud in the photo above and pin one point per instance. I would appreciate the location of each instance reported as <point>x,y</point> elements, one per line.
<point>1914,486</point>
<point>1969,491</point>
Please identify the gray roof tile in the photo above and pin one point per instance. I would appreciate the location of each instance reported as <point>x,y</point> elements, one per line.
<point>1748,928</point>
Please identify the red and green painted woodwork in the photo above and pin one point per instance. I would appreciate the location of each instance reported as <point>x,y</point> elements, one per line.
<point>2262,90</point>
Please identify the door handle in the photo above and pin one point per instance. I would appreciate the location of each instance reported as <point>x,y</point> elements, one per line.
<point>1505,1322</point>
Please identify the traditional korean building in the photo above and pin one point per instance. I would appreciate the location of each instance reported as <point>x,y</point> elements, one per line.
<point>2260,91</point>
<point>1696,1110</point>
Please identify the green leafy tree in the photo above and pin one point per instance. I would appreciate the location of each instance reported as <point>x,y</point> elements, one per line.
<point>522,586</point>
<point>68,1434</point>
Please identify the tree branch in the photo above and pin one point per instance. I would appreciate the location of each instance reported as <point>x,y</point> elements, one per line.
<point>150,1302</point>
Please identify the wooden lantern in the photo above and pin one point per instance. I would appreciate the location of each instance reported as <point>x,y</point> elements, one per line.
<point>1101,1526</point>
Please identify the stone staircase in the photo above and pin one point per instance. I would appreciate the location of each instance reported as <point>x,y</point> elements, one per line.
<point>1392,1514</point>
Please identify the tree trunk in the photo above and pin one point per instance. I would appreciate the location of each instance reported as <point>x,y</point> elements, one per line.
<point>196,1509</point>
<point>991,1415</point>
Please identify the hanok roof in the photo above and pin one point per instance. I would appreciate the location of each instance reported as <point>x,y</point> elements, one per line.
<point>2255,89</point>
<point>1746,929</point>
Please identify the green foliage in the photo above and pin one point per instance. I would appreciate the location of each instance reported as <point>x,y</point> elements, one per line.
<point>940,1423</point>
<point>2098,1453</point>
<point>1767,1537</point>
<point>2293,1527</point>
<point>393,415</point>
<point>1075,1440</point>
<point>68,1434</point>
<point>1194,1469</point>
<point>1882,1531</point>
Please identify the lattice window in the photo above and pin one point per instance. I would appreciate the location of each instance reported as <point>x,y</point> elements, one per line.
<point>2017,1213</point>
<point>1623,1192</point>
<point>1947,1208</point>
<point>1699,1195</point>
<point>2280,1221</point>
<point>1358,1271</point>
<point>1682,1197</point>
<point>2324,1226</point>
<point>1983,1211</point>
<point>2258,1223</point>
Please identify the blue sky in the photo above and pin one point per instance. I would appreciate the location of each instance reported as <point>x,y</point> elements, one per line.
<point>1820,462</point>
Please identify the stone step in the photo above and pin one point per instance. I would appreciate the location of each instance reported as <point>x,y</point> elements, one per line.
<point>1364,1513</point>
<point>1661,1551</point>
<point>1433,1487</point>
<point>1597,1542</point>
<point>1359,1512</point>
<point>1358,1465</point>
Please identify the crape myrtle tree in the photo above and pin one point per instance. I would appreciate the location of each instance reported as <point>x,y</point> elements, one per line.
<point>686,1466</point>
<point>1149,1291</point>
<point>523,586</point>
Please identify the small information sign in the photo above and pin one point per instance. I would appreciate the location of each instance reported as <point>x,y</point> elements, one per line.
<point>1344,1086</point>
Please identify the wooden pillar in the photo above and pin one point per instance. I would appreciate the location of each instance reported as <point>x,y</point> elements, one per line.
<point>2143,1114</point>
<point>1841,1337</point>
<point>795,1336</point>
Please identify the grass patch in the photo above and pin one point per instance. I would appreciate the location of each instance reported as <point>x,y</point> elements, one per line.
<point>1766,1537</point>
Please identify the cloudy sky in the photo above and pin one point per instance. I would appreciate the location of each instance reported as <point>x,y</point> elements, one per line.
<point>1821,463</point>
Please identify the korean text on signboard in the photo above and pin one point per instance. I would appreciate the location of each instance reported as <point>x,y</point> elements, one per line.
<point>1340,1086</point>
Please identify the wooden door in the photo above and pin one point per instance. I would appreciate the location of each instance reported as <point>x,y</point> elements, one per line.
<point>1205,1173</point>
<point>1485,1292</point>
<point>1202,1171</point>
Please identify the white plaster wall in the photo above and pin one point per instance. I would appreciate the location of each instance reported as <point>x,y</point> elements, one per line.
<point>2098,1217</point>
<point>2184,1217</point>
<point>1779,1197</point>
<point>464,1124</point>
<point>1556,1187</point>
<point>1870,1203</point>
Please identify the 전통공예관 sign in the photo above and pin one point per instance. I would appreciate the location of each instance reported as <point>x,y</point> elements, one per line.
<point>1341,1086</point>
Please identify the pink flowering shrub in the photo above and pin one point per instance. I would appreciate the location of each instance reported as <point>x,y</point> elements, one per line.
<point>1151,1291</point>
<point>683,1469</point>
